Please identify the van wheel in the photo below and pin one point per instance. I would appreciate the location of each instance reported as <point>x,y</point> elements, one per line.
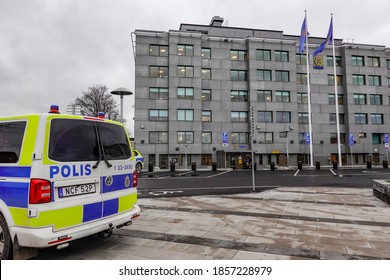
<point>138,167</point>
<point>5,240</point>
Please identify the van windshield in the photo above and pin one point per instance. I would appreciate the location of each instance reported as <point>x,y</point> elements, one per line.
<point>76,140</point>
<point>11,139</point>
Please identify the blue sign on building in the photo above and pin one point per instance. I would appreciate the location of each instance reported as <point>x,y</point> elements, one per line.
<point>225,138</point>
<point>386,138</point>
<point>307,137</point>
<point>351,139</point>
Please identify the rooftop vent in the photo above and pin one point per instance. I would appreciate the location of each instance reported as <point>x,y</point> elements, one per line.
<point>216,21</point>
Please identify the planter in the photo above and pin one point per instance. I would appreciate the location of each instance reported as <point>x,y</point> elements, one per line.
<point>381,189</point>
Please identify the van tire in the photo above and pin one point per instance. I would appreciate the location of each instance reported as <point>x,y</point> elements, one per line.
<point>5,240</point>
<point>138,167</point>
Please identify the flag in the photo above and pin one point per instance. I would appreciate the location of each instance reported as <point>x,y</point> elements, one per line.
<point>304,34</point>
<point>328,39</point>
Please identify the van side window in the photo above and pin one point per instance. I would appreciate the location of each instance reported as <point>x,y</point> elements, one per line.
<point>115,142</point>
<point>73,140</point>
<point>11,139</point>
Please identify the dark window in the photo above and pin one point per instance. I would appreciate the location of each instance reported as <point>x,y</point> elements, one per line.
<point>158,93</point>
<point>264,55</point>
<point>114,140</point>
<point>158,137</point>
<point>11,140</point>
<point>281,56</point>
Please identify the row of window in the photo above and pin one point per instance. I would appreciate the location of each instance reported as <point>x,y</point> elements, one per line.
<point>262,96</point>
<point>187,137</point>
<point>265,55</point>
<point>184,71</point>
<point>262,116</point>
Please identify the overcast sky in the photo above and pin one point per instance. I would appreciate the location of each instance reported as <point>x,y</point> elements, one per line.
<point>53,50</point>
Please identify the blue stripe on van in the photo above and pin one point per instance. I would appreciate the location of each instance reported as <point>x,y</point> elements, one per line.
<point>110,207</point>
<point>15,171</point>
<point>92,211</point>
<point>14,194</point>
<point>119,182</point>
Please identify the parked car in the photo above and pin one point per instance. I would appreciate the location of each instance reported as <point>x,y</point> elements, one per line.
<point>139,159</point>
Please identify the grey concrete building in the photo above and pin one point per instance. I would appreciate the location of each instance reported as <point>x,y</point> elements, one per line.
<point>197,84</point>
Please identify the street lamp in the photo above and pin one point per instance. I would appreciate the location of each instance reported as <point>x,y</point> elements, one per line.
<point>121,92</point>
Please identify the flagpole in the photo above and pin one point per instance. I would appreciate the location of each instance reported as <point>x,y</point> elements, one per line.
<point>309,93</point>
<point>336,99</point>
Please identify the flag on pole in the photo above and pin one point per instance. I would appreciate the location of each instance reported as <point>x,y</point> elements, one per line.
<point>328,40</point>
<point>304,34</point>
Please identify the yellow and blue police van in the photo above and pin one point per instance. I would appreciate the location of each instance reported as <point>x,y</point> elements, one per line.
<point>63,177</point>
<point>139,161</point>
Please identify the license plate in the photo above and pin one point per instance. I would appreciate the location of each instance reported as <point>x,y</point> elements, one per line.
<point>76,190</point>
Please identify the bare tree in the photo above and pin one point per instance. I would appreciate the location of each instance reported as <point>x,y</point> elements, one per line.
<point>95,100</point>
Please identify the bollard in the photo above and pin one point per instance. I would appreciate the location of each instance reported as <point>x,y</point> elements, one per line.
<point>193,166</point>
<point>299,165</point>
<point>214,166</point>
<point>172,167</point>
<point>318,165</point>
<point>369,164</point>
<point>334,164</point>
<point>272,166</point>
<point>151,167</point>
<point>385,164</point>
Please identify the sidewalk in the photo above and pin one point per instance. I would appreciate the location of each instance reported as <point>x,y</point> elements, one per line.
<point>283,223</point>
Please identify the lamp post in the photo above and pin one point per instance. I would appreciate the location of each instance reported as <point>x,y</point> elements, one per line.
<point>121,92</point>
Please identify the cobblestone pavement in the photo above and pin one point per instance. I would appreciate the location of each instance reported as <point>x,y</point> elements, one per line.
<point>282,223</point>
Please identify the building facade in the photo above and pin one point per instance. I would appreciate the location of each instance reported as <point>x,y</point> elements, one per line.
<point>198,88</point>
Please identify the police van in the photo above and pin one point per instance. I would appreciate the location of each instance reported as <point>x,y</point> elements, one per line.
<point>63,177</point>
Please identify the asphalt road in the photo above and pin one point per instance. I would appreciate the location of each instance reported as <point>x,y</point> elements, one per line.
<point>187,183</point>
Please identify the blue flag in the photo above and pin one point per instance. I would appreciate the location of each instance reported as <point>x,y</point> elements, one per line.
<point>328,39</point>
<point>304,34</point>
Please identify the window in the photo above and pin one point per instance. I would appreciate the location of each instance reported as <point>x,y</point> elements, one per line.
<point>238,55</point>
<point>185,93</point>
<point>206,159</point>
<point>265,138</point>
<point>329,60</point>
<point>388,82</point>
<point>240,137</point>
<point>239,96</point>
<point>185,71</point>
<point>331,99</point>
<point>388,64</point>
<point>376,138</point>
<point>206,53</point>
<point>302,137</point>
<point>206,74</point>
<point>302,78</point>
<point>158,50</point>
<point>158,93</point>
<point>264,95</point>
<point>158,115</point>
<point>206,138</point>
<point>76,140</point>
<point>300,59</point>
<point>282,76</point>
<point>374,80</point>
<point>373,61</point>
<point>302,98</point>
<point>11,141</point>
<point>283,117</point>
<point>332,118</point>
<point>158,137</point>
<point>240,117</point>
<point>264,116</point>
<point>360,118</point>
<point>158,72</point>
<point>264,75</point>
<point>206,116</point>
<point>206,94</point>
<point>376,99</point>
<point>186,115</point>
<point>303,117</point>
<point>358,80</point>
<point>186,50</point>
<point>238,75</point>
<point>282,96</point>
<point>357,60</point>
<point>264,55</point>
<point>331,80</point>
<point>333,138</point>
<point>185,137</point>
<point>362,135</point>
<point>281,56</point>
<point>376,118</point>
<point>359,99</point>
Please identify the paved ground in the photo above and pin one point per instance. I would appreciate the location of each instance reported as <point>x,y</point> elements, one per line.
<point>282,223</point>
